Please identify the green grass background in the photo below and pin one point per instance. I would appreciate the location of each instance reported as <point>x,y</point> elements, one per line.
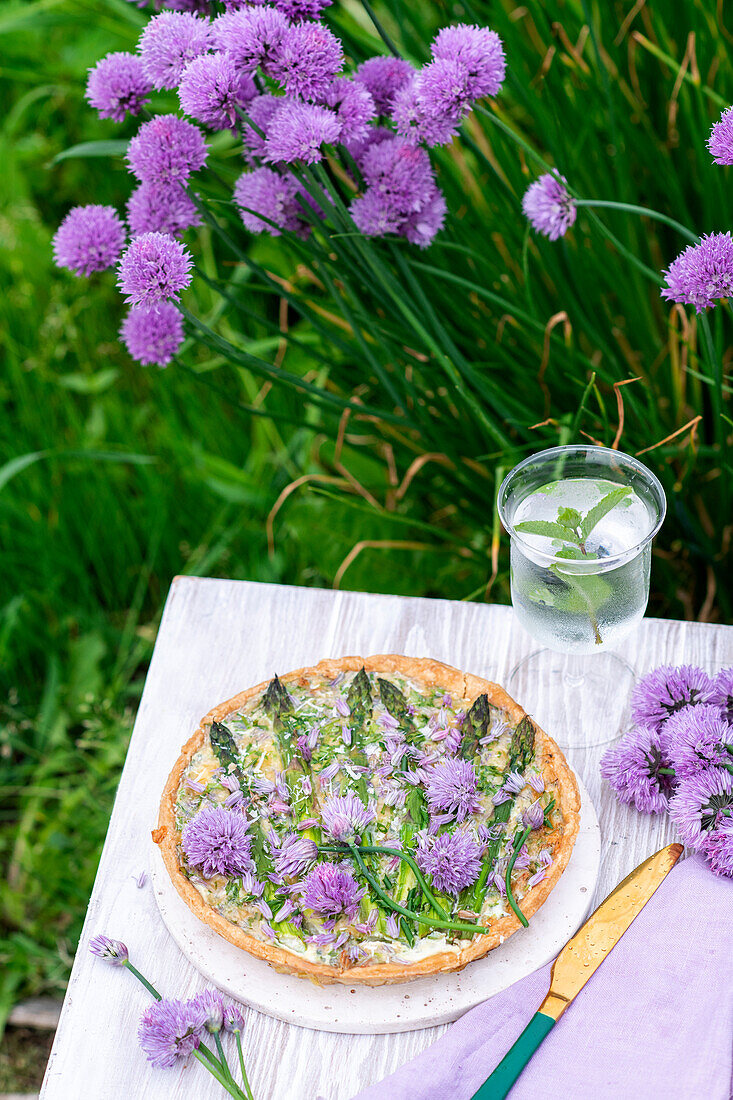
<point>113,478</point>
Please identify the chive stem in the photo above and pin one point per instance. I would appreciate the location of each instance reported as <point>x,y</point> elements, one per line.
<point>507,877</point>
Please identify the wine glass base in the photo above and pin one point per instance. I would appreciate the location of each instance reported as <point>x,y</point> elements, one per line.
<point>580,701</point>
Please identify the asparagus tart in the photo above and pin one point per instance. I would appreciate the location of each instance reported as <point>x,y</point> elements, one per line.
<point>368,820</point>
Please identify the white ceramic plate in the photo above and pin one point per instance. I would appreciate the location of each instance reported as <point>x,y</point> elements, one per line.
<point>388,1008</point>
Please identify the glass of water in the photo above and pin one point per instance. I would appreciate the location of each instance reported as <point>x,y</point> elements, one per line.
<point>581,520</point>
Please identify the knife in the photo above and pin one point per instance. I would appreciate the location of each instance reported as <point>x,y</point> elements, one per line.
<point>578,961</point>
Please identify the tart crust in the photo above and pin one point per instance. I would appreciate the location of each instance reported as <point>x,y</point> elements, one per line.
<point>463,686</point>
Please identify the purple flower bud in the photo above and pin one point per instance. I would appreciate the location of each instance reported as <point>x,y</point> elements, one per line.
<point>112,951</point>
<point>233,1019</point>
<point>534,816</point>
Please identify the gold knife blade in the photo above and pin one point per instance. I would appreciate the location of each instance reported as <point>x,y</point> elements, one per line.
<point>583,954</point>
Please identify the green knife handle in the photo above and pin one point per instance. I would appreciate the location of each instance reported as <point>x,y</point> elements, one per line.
<point>497,1086</point>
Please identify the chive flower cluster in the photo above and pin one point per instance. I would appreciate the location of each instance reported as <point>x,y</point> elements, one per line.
<point>272,74</point>
<point>678,758</point>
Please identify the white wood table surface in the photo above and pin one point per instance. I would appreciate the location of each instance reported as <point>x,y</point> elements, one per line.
<point>216,638</point>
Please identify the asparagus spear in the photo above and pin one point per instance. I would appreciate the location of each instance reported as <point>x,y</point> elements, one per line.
<point>225,750</point>
<point>396,704</point>
<point>521,753</point>
<point>521,749</point>
<point>476,726</point>
<point>276,700</point>
<point>359,699</point>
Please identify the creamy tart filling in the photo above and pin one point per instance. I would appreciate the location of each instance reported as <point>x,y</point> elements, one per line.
<point>267,806</point>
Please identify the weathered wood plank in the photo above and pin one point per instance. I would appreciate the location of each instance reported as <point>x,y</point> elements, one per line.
<point>217,637</point>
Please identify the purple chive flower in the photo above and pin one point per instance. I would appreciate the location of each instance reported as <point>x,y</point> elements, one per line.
<point>696,738</point>
<point>90,238</point>
<point>166,150</point>
<point>297,131</point>
<point>383,77</point>
<point>266,193</point>
<point>719,848</point>
<point>264,908</point>
<point>160,208</point>
<point>112,951</point>
<point>722,694</point>
<point>634,768</point>
<point>140,880</point>
<point>117,85</point>
<point>537,783</point>
<point>700,803</point>
<point>216,840</point>
<point>478,51</point>
<point>260,111</point>
<point>192,784</point>
<point>233,1019</point>
<point>302,9</point>
<point>451,788</point>
<point>418,112</point>
<point>536,878</point>
<point>497,879</point>
<point>702,274</point>
<point>500,797</point>
<point>667,690</point>
<point>294,856</point>
<point>250,36</point>
<point>549,207</point>
<point>345,817</point>
<point>545,858</point>
<point>453,860</point>
<point>170,1030</point>
<point>169,42</point>
<point>153,268</point>
<point>332,890</point>
<point>306,60</point>
<point>332,770</point>
<point>230,782</point>
<point>153,335</point>
<point>420,228</point>
<point>211,1004</point>
<point>443,89</point>
<point>514,783</point>
<point>212,89</point>
<point>393,926</point>
<point>521,863</point>
<point>720,142</point>
<point>354,108</point>
<point>534,816</point>
<point>367,927</point>
<point>342,707</point>
<point>401,195</point>
<point>286,910</point>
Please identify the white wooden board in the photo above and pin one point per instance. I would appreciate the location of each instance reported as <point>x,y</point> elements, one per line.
<point>216,637</point>
<point>386,1009</point>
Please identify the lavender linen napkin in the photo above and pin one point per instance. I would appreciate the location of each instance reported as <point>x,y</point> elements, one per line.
<point>655,1020</point>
